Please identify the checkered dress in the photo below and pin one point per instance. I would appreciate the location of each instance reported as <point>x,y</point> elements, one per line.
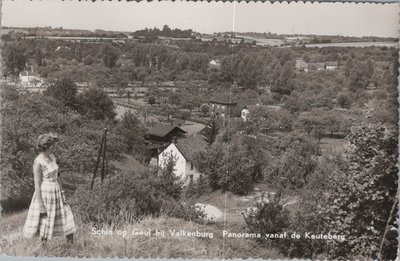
<point>59,220</point>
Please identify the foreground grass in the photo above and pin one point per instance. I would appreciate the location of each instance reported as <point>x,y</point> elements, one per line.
<point>88,244</point>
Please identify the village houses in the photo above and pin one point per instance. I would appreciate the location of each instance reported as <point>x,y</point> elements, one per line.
<point>303,66</point>
<point>30,80</point>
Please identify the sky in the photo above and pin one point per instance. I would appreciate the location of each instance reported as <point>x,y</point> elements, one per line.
<point>347,19</point>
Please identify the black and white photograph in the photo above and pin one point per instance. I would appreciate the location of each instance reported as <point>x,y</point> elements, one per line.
<point>199,130</point>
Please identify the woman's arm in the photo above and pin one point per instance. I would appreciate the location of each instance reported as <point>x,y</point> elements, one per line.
<point>37,176</point>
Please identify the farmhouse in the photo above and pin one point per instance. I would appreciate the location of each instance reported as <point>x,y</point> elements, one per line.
<point>160,135</point>
<point>31,80</point>
<point>247,110</point>
<point>183,152</point>
<point>223,106</point>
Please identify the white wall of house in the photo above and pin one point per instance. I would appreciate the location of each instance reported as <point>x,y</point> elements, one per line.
<point>180,161</point>
<point>30,81</point>
<point>245,114</point>
<point>191,172</point>
<point>183,168</point>
<point>331,67</point>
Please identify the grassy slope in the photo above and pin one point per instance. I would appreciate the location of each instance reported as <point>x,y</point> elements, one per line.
<point>88,245</point>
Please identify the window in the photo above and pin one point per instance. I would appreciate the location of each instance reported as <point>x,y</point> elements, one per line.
<point>191,166</point>
<point>191,178</point>
<point>223,107</point>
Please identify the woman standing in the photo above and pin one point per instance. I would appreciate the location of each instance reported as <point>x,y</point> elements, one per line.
<point>48,214</point>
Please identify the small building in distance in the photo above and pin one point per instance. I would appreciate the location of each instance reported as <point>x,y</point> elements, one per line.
<point>301,65</point>
<point>331,66</point>
<point>247,110</point>
<point>223,106</point>
<point>31,81</point>
<point>183,152</point>
<point>214,65</point>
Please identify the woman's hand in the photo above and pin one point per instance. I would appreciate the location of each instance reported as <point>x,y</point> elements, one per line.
<point>63,197</point>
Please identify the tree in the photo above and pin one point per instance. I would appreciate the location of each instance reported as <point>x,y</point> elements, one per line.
<point>39,57</point>
<point>344,100</point>
<point>131,130</point>
<point>151,100</point>
<point>110,56</point>
<point>359,76</point>
<point>296,164</point>
<point>170,184</point>
<point>14,60</point>
<point>78,54</point>
<point>204,108</point>
<point>96,104</point>
<point>211,132</point>
<point>27,116</point>
<point>233,168</point>
<point>65,91</point>
<point>362,207</point>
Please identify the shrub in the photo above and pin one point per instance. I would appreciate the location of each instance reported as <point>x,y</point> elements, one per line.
<point>181,210</point>
<point>267,217</point>
<point>119,200</point>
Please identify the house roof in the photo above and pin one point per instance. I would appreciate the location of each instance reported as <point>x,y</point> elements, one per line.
<point>28,73</point>
<point>251,107</point>
<point>317,65</point>
<point>335,63</point>
<point>189,147</point>
<point>223,99</point>
<point>161,130</point>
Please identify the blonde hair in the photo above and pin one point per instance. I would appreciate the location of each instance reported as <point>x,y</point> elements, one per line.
<point>44,141</point>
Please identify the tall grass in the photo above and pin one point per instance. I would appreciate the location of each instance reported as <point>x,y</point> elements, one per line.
<point>89,245</point>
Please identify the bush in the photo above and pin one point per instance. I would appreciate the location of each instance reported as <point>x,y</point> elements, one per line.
<point>267,218</point>
<point>121,199</point>
<point>180,210</point>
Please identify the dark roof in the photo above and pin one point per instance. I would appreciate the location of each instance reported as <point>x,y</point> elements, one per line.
<point>252,107</point>
<point>161,130</point>
<point>190,146</point>
<point>223,99</point>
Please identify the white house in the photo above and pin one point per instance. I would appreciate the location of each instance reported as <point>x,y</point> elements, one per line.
<point>214,64</point>
<point>247,110</point>
<point>183,152</point>
<point>30,79</point>
<point>331,66</point>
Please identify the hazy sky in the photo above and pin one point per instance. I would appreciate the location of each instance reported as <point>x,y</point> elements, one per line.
<point>326,18</point>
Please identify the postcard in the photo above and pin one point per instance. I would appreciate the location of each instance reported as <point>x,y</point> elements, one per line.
<point>199,130</point>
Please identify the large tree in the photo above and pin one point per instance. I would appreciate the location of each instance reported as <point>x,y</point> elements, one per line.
<point>363,207</point>
<point>14,60</point>
<point>64,90</point>
<point>96,104</point>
